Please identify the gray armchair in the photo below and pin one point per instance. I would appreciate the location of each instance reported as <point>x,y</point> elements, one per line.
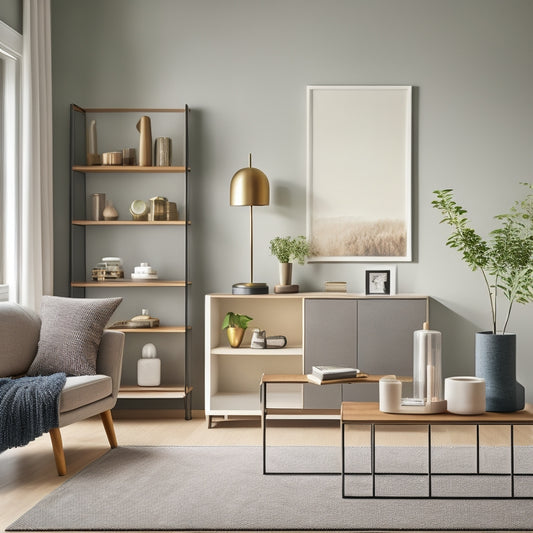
<point>82,396</point>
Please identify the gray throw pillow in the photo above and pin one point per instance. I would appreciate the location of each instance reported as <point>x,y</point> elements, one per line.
<point>71,330</point>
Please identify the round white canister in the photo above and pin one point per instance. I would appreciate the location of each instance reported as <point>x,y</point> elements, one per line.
<point>465,395</point>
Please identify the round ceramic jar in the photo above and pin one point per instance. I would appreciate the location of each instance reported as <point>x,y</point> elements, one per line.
<point>465,395</point>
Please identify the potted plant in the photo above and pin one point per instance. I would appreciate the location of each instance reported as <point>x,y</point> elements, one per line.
<point>505,261</point>
<point>235,326</point>
<point>287,250</point>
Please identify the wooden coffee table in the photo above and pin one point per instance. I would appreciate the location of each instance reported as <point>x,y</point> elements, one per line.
<point>368,414</point>
<point>301,379</point>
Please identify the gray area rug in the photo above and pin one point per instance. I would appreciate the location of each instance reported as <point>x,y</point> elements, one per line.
<point>223,488</point>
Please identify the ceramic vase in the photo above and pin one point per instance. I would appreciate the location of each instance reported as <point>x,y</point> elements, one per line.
<point>496,364</point>
<point>110,213</point>
<point>285,273</point>
<point>145,142</point>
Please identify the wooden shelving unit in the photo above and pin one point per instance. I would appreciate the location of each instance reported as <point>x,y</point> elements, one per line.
<point>81,227</point>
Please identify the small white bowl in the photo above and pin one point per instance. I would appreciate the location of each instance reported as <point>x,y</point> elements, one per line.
<point>465,395</point>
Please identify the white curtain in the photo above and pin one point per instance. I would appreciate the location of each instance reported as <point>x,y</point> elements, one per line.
<point>36,213</point>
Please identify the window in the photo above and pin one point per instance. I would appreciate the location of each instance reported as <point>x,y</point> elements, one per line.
<point>10,72</point>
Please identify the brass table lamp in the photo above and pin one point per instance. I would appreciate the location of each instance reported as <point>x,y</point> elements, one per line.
<point>249,186</point>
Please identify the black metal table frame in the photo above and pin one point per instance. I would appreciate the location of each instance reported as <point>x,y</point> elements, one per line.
<point>263,400</point>
<point>512,474</point>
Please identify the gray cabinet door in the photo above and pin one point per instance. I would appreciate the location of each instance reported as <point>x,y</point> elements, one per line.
<point>374,335</point>
<point>385,341</point>
<point>330,338</point>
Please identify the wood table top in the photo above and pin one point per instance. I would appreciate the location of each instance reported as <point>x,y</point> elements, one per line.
<point>368,412</point>
<point>302,378</point>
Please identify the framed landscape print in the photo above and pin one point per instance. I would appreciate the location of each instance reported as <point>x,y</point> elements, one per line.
<point>359,172</point>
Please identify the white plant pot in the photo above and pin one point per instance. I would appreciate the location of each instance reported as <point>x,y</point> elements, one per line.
<point>465,395</point>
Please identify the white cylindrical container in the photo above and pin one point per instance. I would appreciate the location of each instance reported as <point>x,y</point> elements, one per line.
<point>390,394</point>
<point>465,395</point>
<point>427,381</point>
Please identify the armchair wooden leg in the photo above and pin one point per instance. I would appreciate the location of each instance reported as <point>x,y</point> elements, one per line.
<point>107,420</point>
<point>59,455</point>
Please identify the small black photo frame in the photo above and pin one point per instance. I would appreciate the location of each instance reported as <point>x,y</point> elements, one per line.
<point>378,282</point>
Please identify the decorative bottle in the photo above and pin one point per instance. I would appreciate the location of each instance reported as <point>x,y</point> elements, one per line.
<point>149,367</point>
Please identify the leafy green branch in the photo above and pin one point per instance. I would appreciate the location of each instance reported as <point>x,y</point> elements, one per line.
<point>505,259</point>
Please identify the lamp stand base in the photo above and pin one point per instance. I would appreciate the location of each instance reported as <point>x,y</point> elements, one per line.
<point>249,288</point>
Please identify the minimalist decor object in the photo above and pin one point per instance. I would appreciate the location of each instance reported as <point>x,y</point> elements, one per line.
<point>97,206</point>
<point>162,151</point>
<point>258,338</point>
<point>359,172</point>
<point>139,210</point>
<point>158,208</point>
<point>129,156</point>
<point>505,261</point>
<point>144,271</point>
<point>465,395</point>
<point>110,268</point>
<point>287,250</point>
<point>93,157</point>
<point>149,367</point>
<point>427,381</point>
<point>235,325</point>
<point>249,187</point>
<point>144,127</point>
<point>110,213</point>
<point>496,364</point>
<point>112,158</point>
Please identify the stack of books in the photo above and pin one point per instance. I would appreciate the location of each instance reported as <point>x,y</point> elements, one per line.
<point>335,286</point>
<point>321,374</point>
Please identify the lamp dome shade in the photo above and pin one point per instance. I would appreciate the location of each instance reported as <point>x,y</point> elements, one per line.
<point>249,186</point>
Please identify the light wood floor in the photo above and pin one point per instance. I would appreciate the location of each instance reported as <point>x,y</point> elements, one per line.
<point>28,474</point>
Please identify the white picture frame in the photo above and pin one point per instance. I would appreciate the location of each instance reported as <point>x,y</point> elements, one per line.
<point>359,173</point>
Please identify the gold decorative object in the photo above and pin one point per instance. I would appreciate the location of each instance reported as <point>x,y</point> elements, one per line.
<point>171,211</point>
<point>249,187</point>
<point>158,208</point>
<point>144,127</point>
<point>235,336</point>
<point>139,210</point>
<point>112,158</point>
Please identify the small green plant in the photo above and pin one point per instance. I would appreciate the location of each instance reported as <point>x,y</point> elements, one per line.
<point>234,320</point>
<point>505,259</point>
<point>289,249</point>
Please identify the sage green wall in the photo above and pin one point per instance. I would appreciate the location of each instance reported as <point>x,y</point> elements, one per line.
<point>243,67</point>
<point>11,13</point>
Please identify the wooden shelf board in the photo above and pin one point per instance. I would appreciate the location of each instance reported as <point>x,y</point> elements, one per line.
<point>125,168</point>
<point>119,283</point>
<point>164,391</point>
<point>226,350</point>
<point>129,222</point>
<point>158,329</point>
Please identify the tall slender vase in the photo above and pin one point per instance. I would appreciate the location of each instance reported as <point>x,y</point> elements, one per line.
<point>496,364</point>
<point>145,142</point>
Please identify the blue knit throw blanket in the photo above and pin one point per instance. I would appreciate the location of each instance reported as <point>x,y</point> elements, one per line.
<point>29,407</point>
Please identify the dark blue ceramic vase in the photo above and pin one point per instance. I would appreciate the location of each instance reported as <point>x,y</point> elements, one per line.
<point>496,364</point>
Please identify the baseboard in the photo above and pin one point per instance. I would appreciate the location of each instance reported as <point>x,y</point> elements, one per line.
<point>155,413</point>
